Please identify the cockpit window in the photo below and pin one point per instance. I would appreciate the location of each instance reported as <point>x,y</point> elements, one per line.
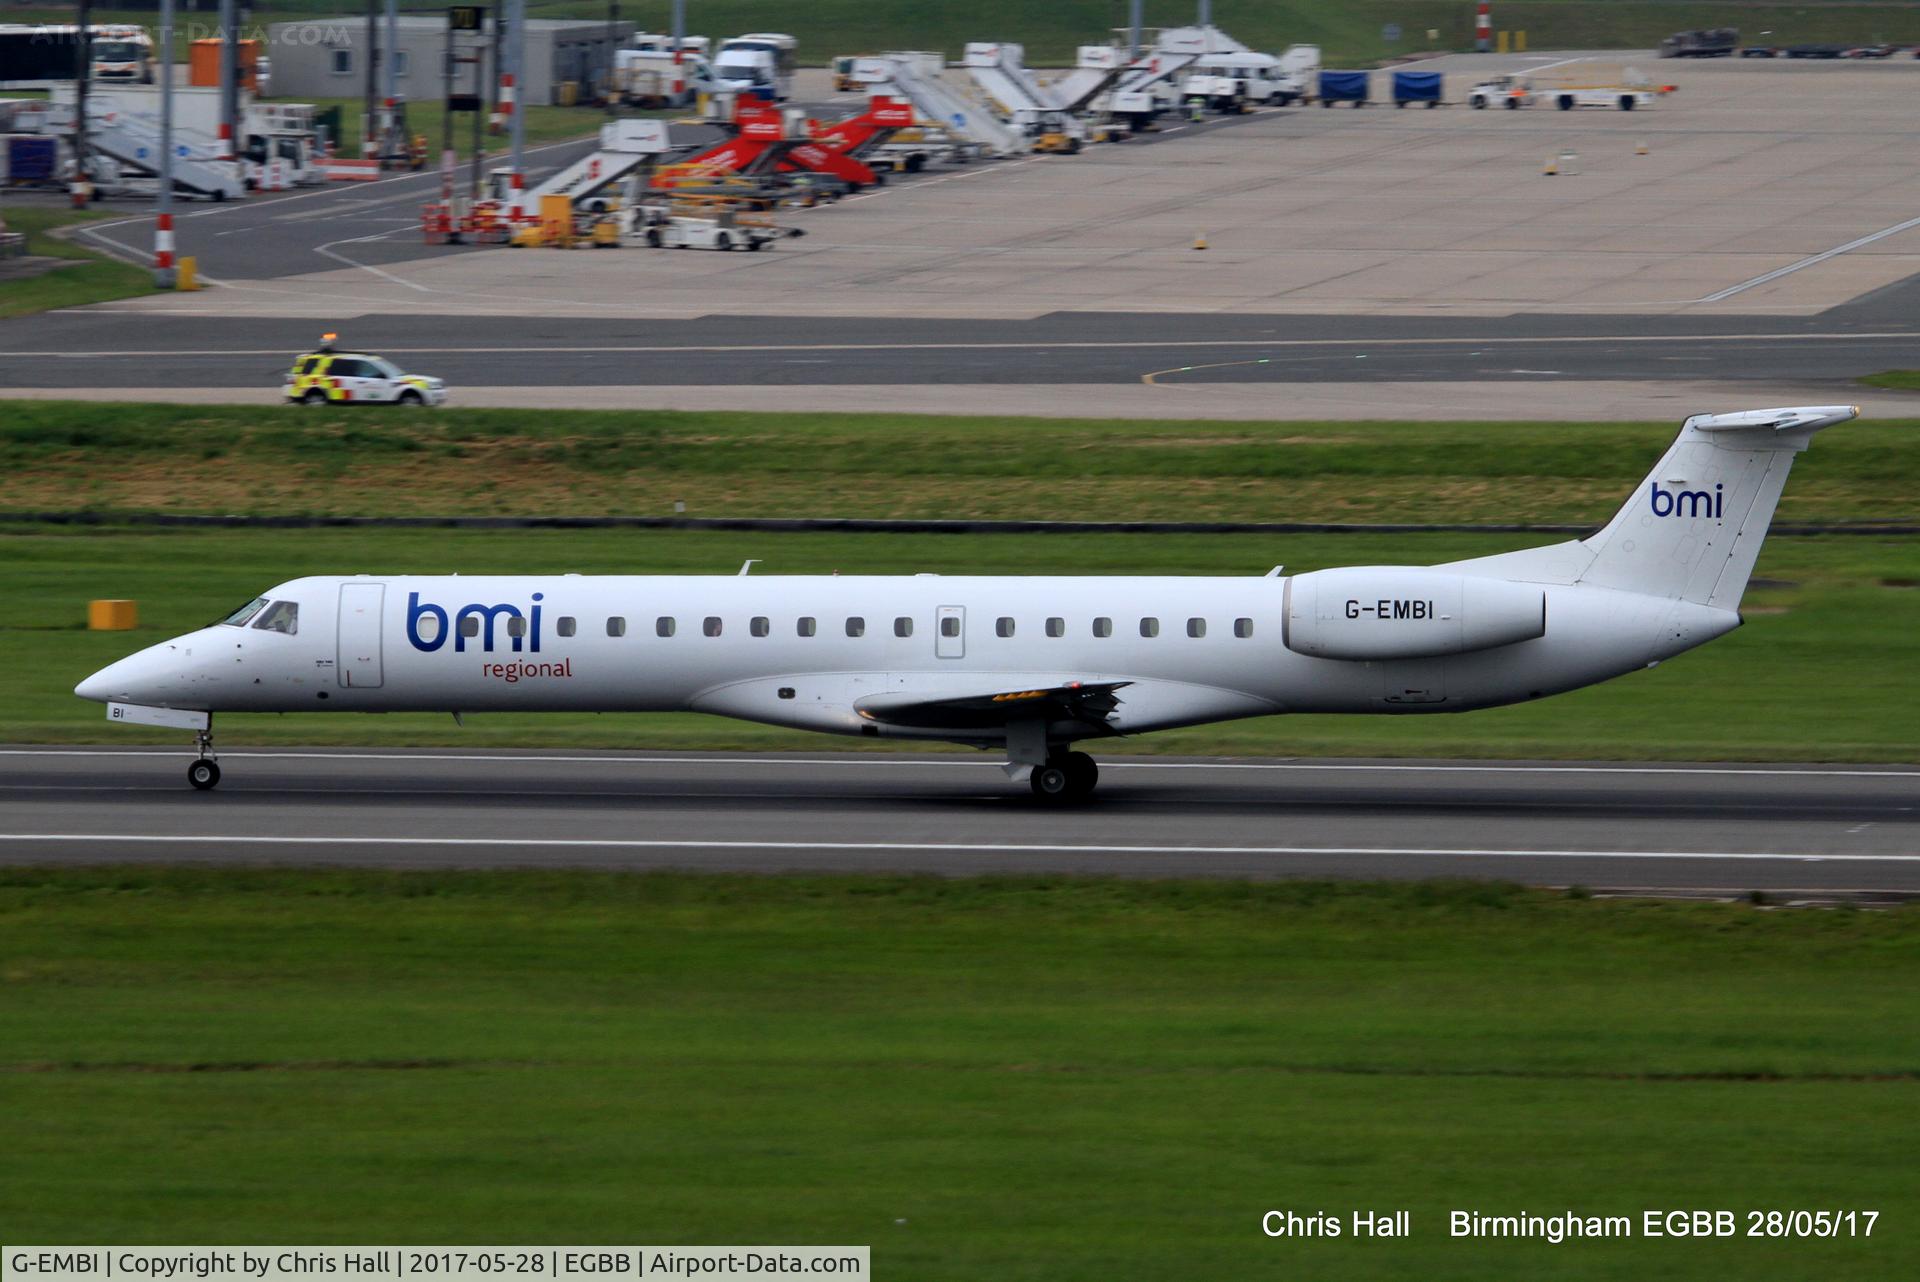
<point>281,616</point>
<point>238,618</point>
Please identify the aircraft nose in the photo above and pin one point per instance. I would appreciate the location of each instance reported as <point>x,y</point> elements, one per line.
<point>138,678</point>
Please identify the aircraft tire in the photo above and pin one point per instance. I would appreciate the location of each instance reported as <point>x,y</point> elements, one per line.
<point>204,774</point>
<point>1082,773</point>
<point>1051,782</point>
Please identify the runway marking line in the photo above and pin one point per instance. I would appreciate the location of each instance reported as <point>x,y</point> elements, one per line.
<point>1783,340</point>
<point>935,847</point>
<point>864,762</point>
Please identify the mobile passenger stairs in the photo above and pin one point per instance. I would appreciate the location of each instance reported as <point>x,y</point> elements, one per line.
<point>916,78</point>
<point>131,142</point>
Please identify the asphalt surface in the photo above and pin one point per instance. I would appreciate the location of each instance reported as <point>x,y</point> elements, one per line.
<point>1723,829</point>
<point>107,349</point>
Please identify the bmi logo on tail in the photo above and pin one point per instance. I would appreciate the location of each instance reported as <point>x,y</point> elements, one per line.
<point>1688,502</point>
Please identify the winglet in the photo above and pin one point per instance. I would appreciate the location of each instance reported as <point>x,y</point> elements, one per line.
<point>1805,418</point>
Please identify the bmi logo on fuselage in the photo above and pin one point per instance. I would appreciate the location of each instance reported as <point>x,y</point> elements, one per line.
<point>484,617</point>
<point>1688,502</point>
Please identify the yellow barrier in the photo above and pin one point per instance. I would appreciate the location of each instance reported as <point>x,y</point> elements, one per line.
<point>1500,42</point>
<point>186,273</point>
<point>556,221</point>
<point>112,616</point>
<point>1519,42</point>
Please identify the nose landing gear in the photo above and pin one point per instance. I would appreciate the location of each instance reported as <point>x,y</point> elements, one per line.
<point>204,773</point>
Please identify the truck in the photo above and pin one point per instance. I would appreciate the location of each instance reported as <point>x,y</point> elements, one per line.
<point>1239,79</point>
<point>40,55</point>
<point>759,65</point>
<point>1713,42</point>
<point>661,78</point>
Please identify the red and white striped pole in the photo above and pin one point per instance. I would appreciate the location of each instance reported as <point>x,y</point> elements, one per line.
<point>504,116</point>
<point>1483,28</point>
<point>163,243</point>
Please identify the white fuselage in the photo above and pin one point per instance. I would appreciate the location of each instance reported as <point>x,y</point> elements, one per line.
<point>737,646</point>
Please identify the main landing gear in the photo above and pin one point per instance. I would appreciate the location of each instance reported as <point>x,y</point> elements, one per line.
<point>204,773</point>
<point>1067,776</point>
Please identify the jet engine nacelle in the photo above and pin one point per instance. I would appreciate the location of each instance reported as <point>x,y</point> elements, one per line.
<point>1404,612</point>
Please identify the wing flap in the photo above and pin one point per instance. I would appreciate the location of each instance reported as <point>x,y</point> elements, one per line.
<point>1090,702</point>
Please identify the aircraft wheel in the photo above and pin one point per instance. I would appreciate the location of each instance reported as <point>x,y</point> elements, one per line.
<point>1082,773</point>
<point>204,774</point>
<point>1051,782</point>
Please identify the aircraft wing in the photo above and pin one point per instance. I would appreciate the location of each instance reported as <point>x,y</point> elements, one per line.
<point>1089,702</point>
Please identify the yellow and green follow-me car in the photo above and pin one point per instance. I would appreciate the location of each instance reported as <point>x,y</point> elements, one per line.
<point>358,378</point>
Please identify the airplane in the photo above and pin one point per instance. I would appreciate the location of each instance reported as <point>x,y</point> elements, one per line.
<point>1026,664</point>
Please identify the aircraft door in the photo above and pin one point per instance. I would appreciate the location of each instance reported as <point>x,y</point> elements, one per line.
<point>359,645</point>
<point>950,632</point>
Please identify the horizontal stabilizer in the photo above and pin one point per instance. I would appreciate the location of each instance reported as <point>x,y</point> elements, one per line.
<point>1805,418</point>
<point>1092,703</point>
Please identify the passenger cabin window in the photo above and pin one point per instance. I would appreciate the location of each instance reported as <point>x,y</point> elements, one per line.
<point>239,617</point>
<point>806,626</point>
<point>950,626</point>
<point>1149,627</point>
<point>516,627</point>
<point>1196,627</point>
<point>663,626</point>
<point>711,626</point>
<point>903,626</point>
<point>1003,626</point>
<point>281,616</point>
<point>759,626</point>
<point>469,625</point>
<point>1103,627</point>
<point>564,626</point>
<point>1056,627</point>
<point>616,626</point>
<point>856,626</point>
<point>1243,628</point>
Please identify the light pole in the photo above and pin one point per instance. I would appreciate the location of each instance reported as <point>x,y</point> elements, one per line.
<point>163,211</point>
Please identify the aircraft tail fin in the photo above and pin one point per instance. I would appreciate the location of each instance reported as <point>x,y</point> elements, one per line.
<point>1693,528</point>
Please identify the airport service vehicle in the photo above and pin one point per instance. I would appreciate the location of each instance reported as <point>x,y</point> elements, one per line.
<point>1025,665</point>
<point>661,78</point>
<point>327,377</point>
<point>1344,86</point>
<point>39,56</point>
<point>1417,86</point>
<point>758,65</point>
<point>1714,42</point>
<point>1226,79</point>
<point>697,226</point>
<point>657,41</point>
<point>1511,92</point>
<point>1625,93</point>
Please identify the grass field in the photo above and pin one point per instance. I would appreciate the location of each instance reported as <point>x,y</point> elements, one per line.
<point>274,460</point>
<point>1351,33</point>
<point>1012,1079</point>
<point>88,278</point>
<point>1904,380</point>
<point>1822,671</point>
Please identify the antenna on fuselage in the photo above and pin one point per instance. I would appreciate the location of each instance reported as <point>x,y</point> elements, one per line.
<point>746,567</point>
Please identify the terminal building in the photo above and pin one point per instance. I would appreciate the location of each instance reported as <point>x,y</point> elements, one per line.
<point>326,57</point>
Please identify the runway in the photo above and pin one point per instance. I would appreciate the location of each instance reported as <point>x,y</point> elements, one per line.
<point>1717,829</point>
<point>102,349</point>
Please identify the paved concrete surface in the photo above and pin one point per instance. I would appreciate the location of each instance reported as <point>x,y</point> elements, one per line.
<point>1771,187</point>
<point>113,349</point>
<point>1723,828</point>
<point>1569,401</point>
